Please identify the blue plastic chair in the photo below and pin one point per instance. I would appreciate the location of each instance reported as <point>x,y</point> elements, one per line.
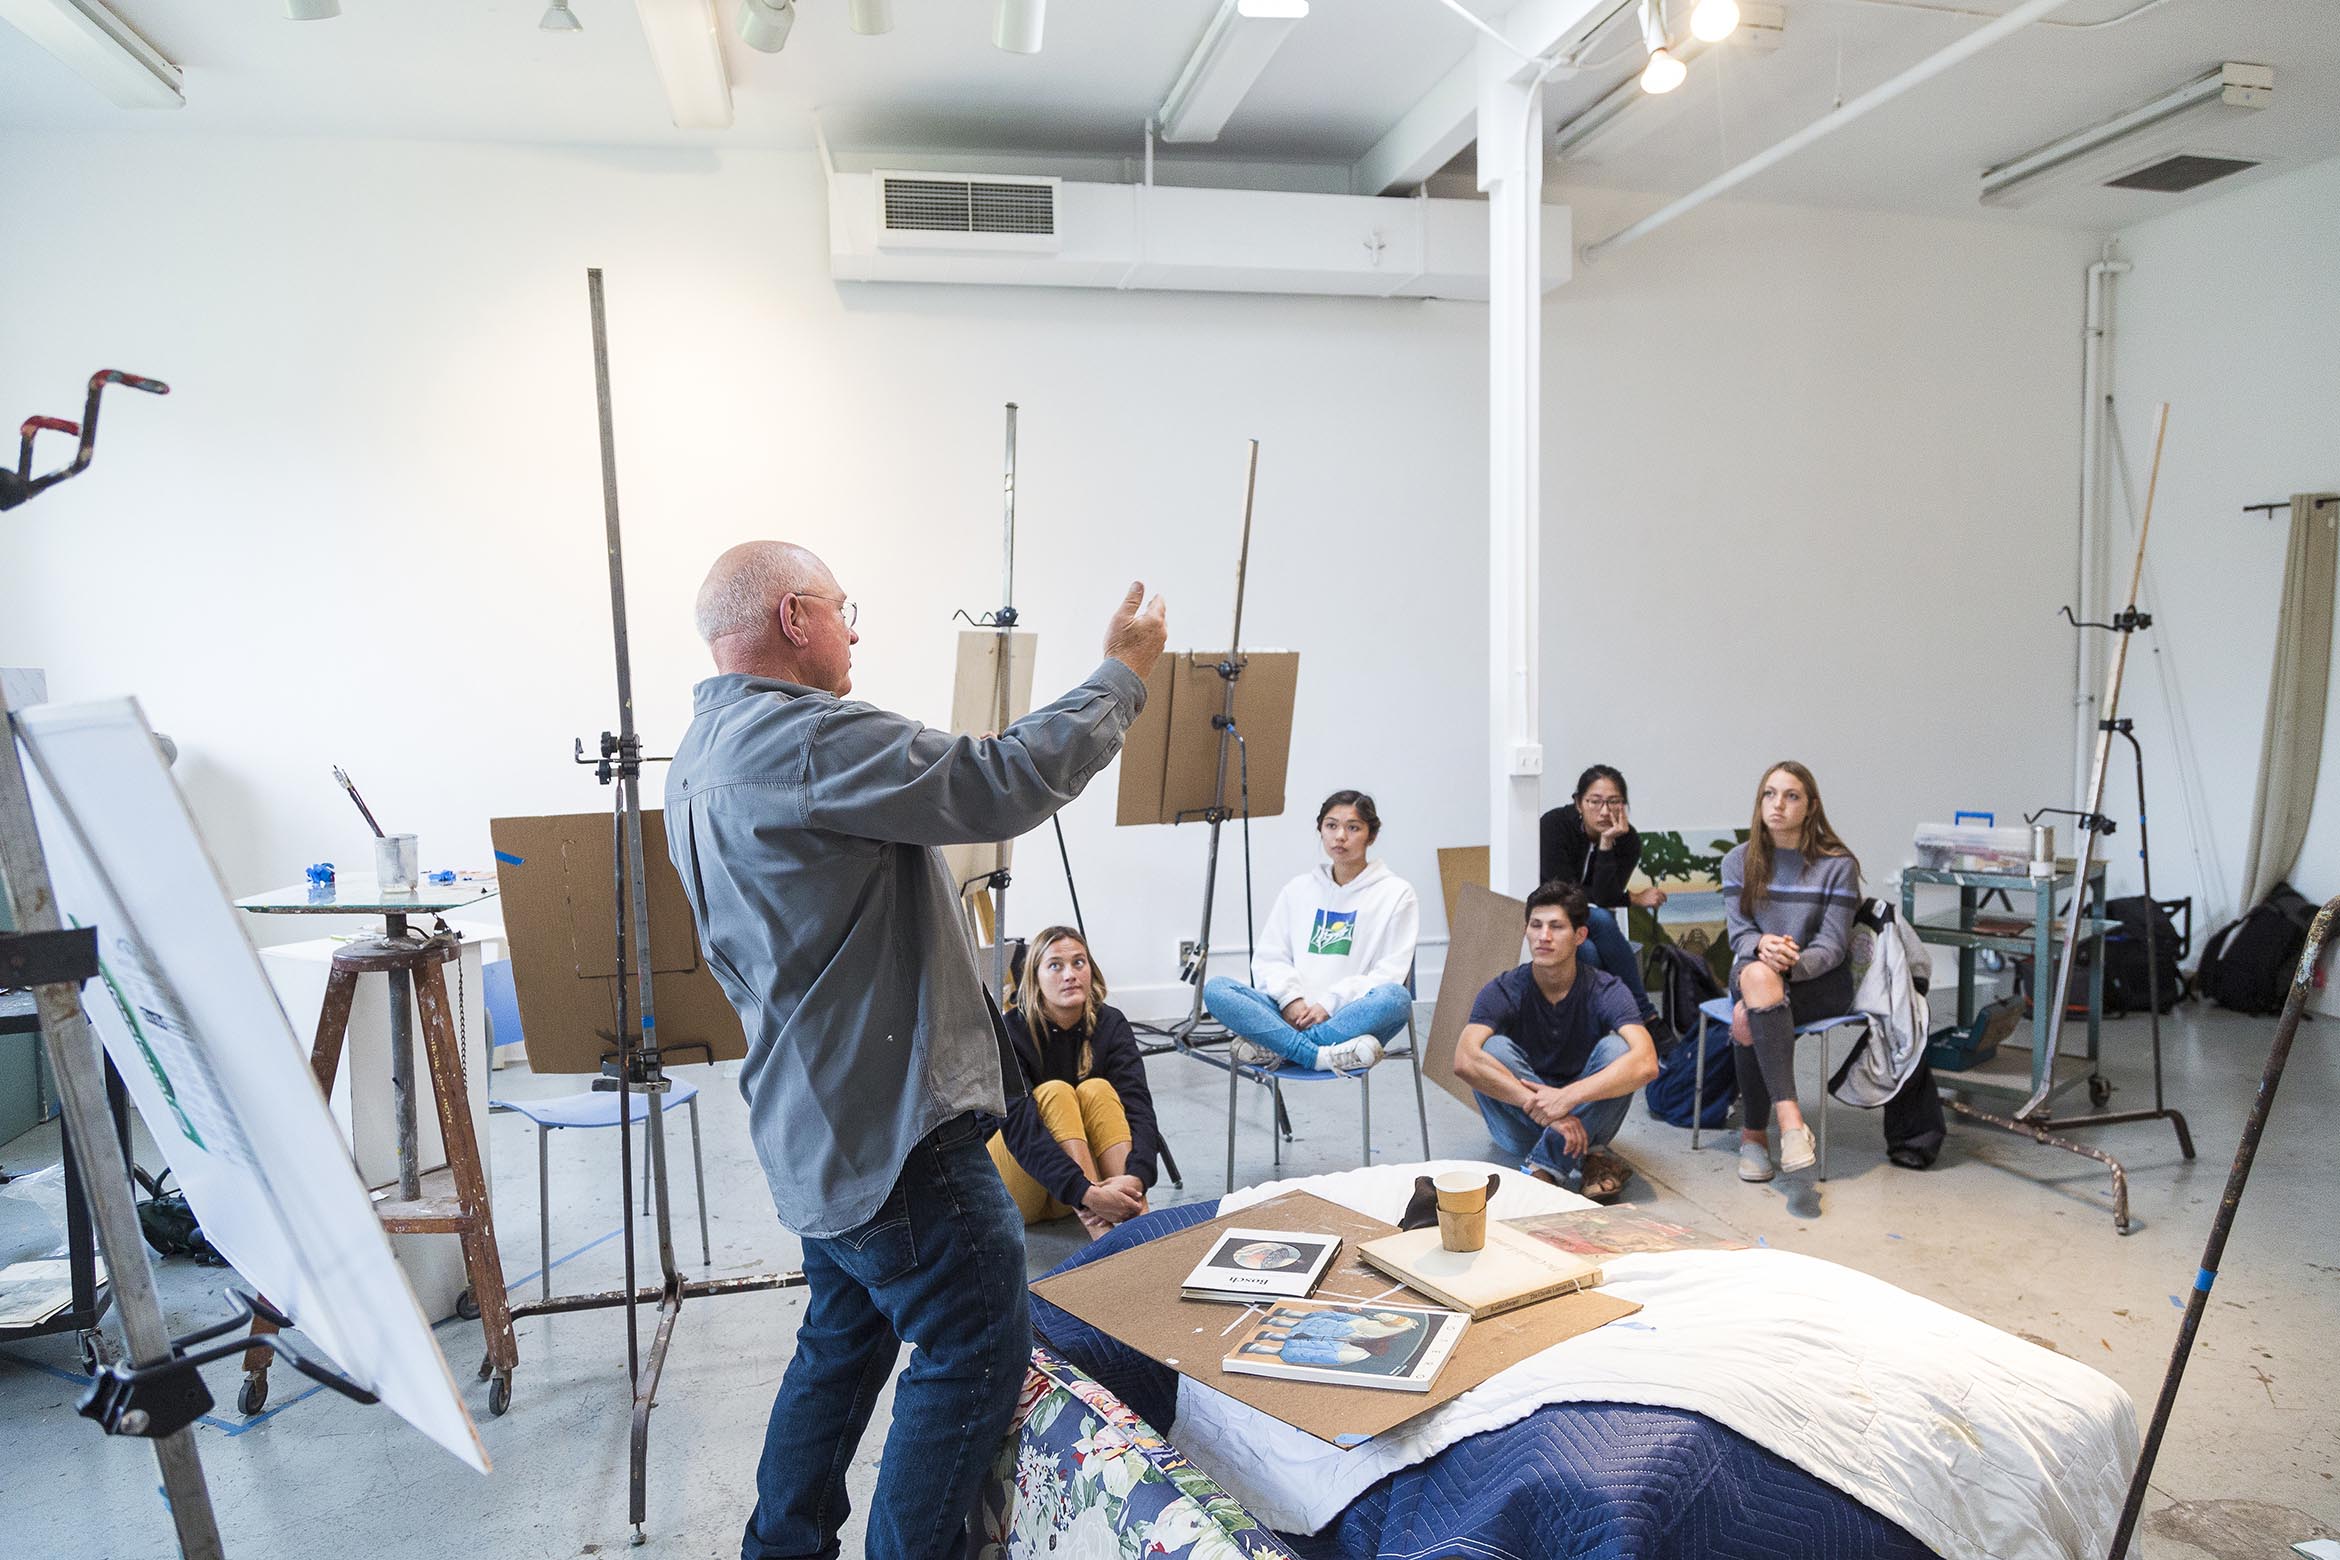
<point>1718,1011</point>
<point>1276,1074</point>
<point>592,1108</point>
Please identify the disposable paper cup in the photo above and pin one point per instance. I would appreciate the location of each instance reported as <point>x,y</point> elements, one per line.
<point>397,863</point>
<point>1462,1210</point>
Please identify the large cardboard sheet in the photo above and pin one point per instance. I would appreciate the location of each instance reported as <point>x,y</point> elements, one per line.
<point>560,915</point>
<point>1170,758</point>
<point>194,1028</point>
<point>1485,934</point>
<point>984,701</point>
<point>1133,1296</point>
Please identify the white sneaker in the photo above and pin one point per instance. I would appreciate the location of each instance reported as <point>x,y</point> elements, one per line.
<point>1796,1149</point>
<point>1754,1161</point>
<point>1350,1056</point>
<point>1252,1054</point>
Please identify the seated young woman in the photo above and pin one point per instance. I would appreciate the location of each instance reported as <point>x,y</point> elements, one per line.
<point>1789,894</point>
<point>1592,843</point>
<point>1083,1140</point>
<point>1333,957</point>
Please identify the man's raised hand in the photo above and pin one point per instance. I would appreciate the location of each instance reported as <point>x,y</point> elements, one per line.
<point>1135,638</point>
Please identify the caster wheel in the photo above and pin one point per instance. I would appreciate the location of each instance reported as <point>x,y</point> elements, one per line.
<point>467,1306</point>
<point>252,1396</point>
<point>2099,1091</point>
<point>97,1351</point>
<point>500,1396</point>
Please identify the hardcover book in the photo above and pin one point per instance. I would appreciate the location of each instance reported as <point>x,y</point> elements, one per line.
<point>1244,1265</point>
<point>1400,1348</point>
<point>1511,1270</point>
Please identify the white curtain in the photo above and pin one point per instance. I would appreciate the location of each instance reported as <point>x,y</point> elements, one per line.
<point>2294,739</point>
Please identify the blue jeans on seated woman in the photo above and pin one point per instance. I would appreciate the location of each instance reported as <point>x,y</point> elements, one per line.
<point>1255,1016</point>
<point>1535,1147</point>
<point>1605,948</point>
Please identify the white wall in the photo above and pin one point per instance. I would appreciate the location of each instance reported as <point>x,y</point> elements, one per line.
<point>365,528</point>
<point>2232,315</point>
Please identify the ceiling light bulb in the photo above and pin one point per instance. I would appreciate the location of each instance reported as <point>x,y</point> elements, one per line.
<point>1663,73</point>
<point>312,10</point>
<point>1016,26</point>
<point>764,24</point>
<point>873,16</point>
<point>1711,21</point>
<point>558,18</point>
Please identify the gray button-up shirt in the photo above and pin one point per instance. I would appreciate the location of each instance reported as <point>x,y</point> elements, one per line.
<point>804,828</point>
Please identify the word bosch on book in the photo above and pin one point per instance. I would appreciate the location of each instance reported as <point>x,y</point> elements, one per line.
<point>1512,1269</point>
<point>1400,1348</point>
<point>1245,1265</point>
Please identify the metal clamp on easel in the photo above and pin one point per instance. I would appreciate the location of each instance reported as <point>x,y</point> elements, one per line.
<point>159,1399</point>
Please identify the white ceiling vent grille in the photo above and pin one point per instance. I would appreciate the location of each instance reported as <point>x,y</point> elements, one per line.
<point>953,211</point>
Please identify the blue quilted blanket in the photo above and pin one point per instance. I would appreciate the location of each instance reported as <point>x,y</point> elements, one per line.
<point>1572,1481</point>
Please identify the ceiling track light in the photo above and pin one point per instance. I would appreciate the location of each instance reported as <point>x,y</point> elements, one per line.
<point>558,18</point>
<point>1017,24</point>
<point>872,16</point>
<point>764,24</point>
<point>1711,21</point>
<point>312,10</point>
<point>1663,73</point>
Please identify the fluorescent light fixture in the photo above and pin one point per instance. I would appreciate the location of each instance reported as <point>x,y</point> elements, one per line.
<point>558,18</point>
<point>689,59</point>
<point>764,24</point>
<point>1235,48</point>
<point>1016,25</point>
<point>100,48</point>
<point>312,10</point>
<point>872,16</point>
<point>2132,136</point>
<point>1711,21</point>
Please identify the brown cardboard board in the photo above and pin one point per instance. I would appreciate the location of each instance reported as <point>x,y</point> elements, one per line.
<point>560,917</point>
<point>1484,933</point>
<point>1133,1296</point>
<point>1170,758</point>
<point>976,709</point>
<point>1457,865</point>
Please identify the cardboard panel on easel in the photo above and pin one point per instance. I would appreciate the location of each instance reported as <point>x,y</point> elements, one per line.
<point>560,917</point>
<point>1170,758</point>
<point>976,709</point>
<point>1485,932</point>
<point>1133,1297</point>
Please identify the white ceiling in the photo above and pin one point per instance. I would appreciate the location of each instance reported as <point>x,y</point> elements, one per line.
<point>480,69</point>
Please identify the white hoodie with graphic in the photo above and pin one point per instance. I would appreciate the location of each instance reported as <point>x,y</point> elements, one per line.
<point>1332,943</point>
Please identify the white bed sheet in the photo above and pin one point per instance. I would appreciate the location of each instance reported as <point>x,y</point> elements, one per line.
<point>1983,1446</point>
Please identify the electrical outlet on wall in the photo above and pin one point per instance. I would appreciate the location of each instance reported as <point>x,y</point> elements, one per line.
<point>1185,952</point>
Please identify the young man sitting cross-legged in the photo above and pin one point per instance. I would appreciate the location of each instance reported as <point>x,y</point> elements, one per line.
<point>1554,1050</point>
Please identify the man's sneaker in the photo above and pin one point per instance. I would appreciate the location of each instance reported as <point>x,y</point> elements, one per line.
<point>1796,1149</point>
<point>1350,1056</point>
<point>1252,1054</point>
<point>1754,1161</point>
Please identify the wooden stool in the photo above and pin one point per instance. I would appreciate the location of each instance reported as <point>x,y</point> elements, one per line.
<point>457,1203</point>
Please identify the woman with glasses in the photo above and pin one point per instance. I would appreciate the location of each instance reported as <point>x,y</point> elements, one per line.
<point>1592,843</point>
<point>1333,957</point>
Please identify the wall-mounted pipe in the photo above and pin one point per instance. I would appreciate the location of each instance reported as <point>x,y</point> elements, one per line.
<point>1827,124</point>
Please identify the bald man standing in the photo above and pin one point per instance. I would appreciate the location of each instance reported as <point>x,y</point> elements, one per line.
<point>805,827</point>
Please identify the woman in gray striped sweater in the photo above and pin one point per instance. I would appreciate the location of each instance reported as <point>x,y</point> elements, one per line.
<point>1790,893</point>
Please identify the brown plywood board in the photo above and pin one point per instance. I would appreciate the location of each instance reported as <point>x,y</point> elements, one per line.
<point>976,710</point>
<point>560,918</point>
<point>1484,933</point>
<point>1133,1296</point>
<point>1170,759</point>
<point>1457,865</point>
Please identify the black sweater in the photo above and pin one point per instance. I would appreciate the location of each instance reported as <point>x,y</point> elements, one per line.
<point>1572,856</point>
<point>1113,1057</point>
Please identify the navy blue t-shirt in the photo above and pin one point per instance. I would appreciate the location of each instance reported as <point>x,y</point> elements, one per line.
<point>1557,1036</point>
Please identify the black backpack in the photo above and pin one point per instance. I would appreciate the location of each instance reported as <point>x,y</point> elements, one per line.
<point>1678,980</point>
<point>2129,984</point>
<point>2248,966</point>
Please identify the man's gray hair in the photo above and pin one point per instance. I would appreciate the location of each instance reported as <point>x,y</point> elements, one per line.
<point>744,588</point>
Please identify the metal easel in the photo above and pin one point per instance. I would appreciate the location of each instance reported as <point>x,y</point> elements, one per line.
<point>639,1062</point>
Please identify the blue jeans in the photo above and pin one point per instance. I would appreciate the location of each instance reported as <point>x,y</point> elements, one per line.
<point>940,1265</point>
<point>1254,1015</point>
<point>1605,948</point>
<point>1537,1146</point>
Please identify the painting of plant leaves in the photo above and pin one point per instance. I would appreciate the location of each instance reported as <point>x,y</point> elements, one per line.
<point>1687,864</point>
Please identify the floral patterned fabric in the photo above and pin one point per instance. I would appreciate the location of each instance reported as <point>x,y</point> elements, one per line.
<point>1082,1477</point>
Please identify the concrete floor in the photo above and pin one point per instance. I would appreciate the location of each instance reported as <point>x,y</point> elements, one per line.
<point>2009,1231</point>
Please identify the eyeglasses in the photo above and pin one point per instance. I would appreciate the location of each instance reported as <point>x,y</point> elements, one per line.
<point>847,608</point>
<point>1605,803</point>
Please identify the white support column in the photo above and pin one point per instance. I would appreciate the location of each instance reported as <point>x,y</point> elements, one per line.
<point>1511,173</point>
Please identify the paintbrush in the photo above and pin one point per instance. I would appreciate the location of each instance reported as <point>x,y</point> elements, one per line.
<point>342,776</point>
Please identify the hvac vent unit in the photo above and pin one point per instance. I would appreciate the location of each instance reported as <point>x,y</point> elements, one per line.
<point>2174,175</point>
<point>950,211</point>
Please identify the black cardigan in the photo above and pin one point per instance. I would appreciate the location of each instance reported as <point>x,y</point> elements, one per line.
<point>1572,856</point>
<point>1114,1057</point>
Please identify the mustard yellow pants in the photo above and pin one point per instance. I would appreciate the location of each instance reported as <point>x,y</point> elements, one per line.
<point>1091,1113</point>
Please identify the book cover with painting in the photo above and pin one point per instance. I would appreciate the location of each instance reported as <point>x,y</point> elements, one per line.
<point>1400,1348</point>
<point>1260,1265</point>
<point>1618,1232</point>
